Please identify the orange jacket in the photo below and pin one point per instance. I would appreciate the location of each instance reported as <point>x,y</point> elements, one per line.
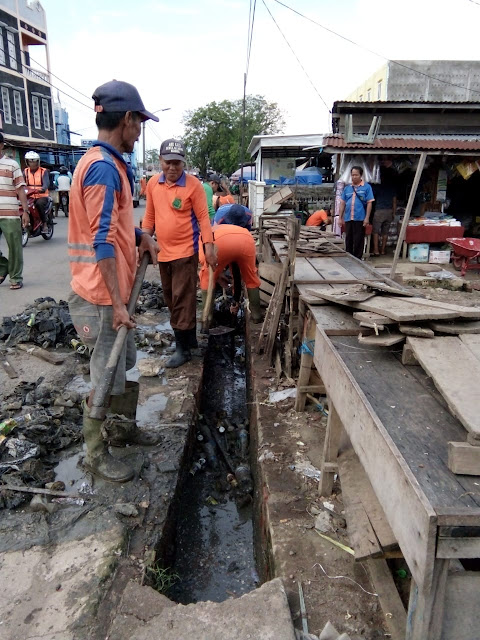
<point>317,218</point>
<point>101,224</point>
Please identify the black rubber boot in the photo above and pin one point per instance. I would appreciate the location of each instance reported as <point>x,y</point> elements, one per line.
<point>192,338</point>
<point>182,350</point>
<point>255,308</point>
<point>120,427</point>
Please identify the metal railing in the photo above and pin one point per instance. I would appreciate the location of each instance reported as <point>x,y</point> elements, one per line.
<point>35,74</point>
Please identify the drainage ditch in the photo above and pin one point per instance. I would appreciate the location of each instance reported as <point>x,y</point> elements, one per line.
<point>214,536</point>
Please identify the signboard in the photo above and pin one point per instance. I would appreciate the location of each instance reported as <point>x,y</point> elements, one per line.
<point>87,143</point>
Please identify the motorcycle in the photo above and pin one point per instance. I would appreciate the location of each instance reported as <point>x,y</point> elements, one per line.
<point>34,228</point>
<point>63,199</point>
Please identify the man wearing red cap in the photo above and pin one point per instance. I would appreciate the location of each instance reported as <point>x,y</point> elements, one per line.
<point>102,242</point>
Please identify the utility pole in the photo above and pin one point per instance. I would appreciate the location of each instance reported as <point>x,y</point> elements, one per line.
<point>243,133</point>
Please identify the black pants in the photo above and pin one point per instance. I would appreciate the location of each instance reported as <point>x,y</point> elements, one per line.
<point>355,237</point>
<point>42,204</point>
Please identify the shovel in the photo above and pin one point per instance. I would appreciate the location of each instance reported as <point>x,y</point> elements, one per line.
<point>103,391</point>
<point>216,331</point>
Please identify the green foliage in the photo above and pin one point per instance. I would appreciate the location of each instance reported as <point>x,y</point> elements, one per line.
<point>152,157</point>
<point>162,579</point>
<point>213,133</point>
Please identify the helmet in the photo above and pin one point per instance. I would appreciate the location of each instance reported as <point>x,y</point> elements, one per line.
<point>32,155</point>
<point>63,169</point>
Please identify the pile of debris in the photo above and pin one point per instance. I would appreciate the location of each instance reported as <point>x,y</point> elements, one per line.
<point>151,297</point>
<point>30,443</point>
<point>46,323</point>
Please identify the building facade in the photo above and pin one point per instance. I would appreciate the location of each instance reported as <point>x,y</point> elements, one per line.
<point>26,102</point>
<point>422,81</point>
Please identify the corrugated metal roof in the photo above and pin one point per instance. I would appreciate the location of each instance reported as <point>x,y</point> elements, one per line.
<point>406,143</point>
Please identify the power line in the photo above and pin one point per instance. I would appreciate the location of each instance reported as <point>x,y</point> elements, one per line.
<point>475,2</point>
<point>62,81</point>
<point>379,55</point>
<point>296,57</point>
<point>251,22</point>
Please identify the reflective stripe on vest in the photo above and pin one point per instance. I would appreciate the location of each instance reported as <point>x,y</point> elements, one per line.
<point>75,252</point>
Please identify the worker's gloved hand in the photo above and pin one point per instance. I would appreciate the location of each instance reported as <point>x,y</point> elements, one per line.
<point>148,244</point>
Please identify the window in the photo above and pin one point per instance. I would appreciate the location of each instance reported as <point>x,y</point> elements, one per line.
<point>360,99</point>
<point>17,101</point>
<point>2,48</point>
<point>12,51</point>
<point>369,95</point>
<point>379,90</point>
<point>46,115</point>
<point>7,112</point>
<point>36,112</point>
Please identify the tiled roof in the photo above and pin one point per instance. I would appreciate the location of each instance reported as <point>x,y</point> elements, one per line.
<point>407,143</point>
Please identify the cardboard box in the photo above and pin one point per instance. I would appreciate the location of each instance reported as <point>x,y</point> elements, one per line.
<point>439,257</point>
<point>418,252</point>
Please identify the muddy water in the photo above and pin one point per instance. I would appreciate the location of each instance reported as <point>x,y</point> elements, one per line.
<point>214,539</point>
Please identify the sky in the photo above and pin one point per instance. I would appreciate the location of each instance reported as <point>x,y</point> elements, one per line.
<point>184,54</point>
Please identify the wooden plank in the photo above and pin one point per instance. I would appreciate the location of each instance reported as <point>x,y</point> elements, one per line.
<point>330,452</point>
<point>335,321</point>
<point>367,316</point>
<point>459,310</point>
<point>278,197</point>
<point>383,340</point>
<point>309,299</point>
<point>390,601</point>
<point>456,374</point>
<point>305,271</point>
<point>461,619</point>
<point>408,511</point>
<point>342,296</point>
<point>43,354</point>
<point>381,286</point>
<point>403,310</point>
<point>416,331</point>
<point>270,271</point>
<point>356,485</point>
<point>464,458</point>
<point>408,357</point>
<point>330,269</point>
<point>456,328</point>
<point>458,548</point>
<point>472,342</point>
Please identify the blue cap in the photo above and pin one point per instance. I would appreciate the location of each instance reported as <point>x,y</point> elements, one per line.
<point>120,96</point>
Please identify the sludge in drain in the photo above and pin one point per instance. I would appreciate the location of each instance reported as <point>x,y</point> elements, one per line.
<point>214,556</point>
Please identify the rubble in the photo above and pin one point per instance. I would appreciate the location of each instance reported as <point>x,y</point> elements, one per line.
<point>46,323</point>
<point>151,297</point>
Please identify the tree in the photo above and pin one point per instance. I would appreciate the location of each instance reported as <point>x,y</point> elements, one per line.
<point>213,133</point>
<point>152,157</point>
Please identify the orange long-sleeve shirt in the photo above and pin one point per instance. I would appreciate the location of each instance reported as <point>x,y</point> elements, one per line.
<point>179,214</point>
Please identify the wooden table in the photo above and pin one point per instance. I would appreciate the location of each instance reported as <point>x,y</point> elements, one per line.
<point>430,233</point>
<point>399,427</point>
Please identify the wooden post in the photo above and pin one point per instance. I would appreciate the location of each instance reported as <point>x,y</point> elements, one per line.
<point>408,210</point>
<point>330,451</point>
<point>426,606</point>
<point>306,360</point>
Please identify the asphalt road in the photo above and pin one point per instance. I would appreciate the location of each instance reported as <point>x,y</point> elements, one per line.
<point>46,270</point>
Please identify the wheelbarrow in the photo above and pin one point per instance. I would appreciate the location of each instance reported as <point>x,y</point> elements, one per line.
<point>466,253</point>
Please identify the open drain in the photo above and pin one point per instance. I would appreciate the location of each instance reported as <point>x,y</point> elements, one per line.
<point>214,545</point>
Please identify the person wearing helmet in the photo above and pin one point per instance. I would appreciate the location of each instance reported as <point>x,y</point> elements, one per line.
<point>37,178</point>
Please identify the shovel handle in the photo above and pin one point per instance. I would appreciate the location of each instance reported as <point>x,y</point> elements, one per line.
<point>208,302</point>
<point>104,388</point>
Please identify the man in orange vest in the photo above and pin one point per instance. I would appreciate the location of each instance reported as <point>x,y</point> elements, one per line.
<point>37,178</point>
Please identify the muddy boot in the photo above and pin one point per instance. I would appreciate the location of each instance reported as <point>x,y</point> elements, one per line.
<point>120,427</point>
<point>192,338</point>
<point>254,301</point>
<point>182,350</point>
<point>98,460</point>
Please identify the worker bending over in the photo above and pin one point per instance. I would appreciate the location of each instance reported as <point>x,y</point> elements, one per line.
<point>235,246</point>
<point>320,218</point>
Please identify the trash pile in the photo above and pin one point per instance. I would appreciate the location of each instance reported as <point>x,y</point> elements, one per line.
<point>46,323</point>
<point>30,443</point>
<point>151,297</point>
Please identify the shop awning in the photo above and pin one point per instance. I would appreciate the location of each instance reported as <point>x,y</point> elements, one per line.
<point>395,144</point>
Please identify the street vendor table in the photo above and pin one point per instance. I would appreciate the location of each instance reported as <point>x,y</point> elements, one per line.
<point>430,233</point>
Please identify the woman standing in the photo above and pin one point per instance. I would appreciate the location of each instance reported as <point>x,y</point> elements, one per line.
<point>355,210</point>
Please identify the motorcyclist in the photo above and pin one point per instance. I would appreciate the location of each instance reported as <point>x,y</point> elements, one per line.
<point>62,183</point>
<point>37,177</point>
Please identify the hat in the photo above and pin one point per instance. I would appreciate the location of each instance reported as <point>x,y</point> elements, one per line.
<point>214,177</point>
<point>172,149</point>
<point>120,96</point>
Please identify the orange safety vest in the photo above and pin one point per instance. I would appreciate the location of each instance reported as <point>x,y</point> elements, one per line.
<point>35,180</point>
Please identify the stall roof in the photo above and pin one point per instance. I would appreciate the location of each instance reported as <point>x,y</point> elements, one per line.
<point>284,145</point>
<point>437,145</point>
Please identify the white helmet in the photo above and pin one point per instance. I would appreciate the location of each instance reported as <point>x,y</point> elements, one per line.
<point>32,155</point>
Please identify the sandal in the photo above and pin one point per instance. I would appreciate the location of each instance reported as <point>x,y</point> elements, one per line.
<point>16,285</point>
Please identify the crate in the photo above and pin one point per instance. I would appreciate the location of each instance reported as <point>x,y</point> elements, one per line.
<point>418,252</point>
<point>439,257</point>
